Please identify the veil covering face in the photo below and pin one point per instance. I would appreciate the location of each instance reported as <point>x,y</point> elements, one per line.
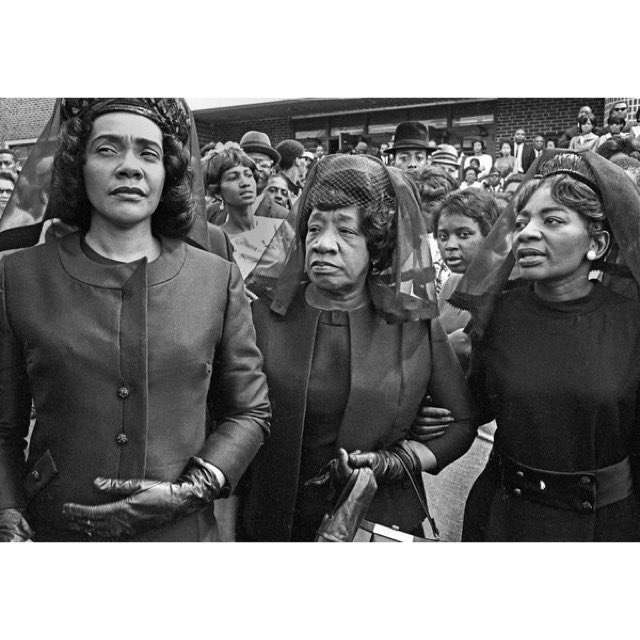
<point>490,271</point>
<point>404,290</point>
<point>25,216</point>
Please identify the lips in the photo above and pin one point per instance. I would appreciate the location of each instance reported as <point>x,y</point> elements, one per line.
<point>322,265</point>
<point>529,257</point>
<point>128,191</point>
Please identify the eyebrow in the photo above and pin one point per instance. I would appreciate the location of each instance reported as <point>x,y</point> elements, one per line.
<point>542,211</point>
<point>112,137</point>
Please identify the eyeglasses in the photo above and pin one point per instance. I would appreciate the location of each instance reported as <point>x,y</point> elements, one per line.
<point>264,164</point>
<point>620,108</point>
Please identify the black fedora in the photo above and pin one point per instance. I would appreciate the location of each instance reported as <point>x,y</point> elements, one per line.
<point>410,135</point>
<point>258,142</point>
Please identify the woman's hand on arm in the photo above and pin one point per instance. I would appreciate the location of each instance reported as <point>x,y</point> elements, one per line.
<point>430,422</point>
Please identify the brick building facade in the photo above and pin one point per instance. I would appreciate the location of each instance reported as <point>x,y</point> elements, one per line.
<point>493,119</point>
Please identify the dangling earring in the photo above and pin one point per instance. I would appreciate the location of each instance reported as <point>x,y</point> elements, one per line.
<point>591,255</point>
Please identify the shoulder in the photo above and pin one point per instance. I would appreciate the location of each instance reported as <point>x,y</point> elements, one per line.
<point>26,260</point>
<point>218,241</point>
<point>206,261</point>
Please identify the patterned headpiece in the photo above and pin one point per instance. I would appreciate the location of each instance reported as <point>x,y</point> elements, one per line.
<point>170,114</point>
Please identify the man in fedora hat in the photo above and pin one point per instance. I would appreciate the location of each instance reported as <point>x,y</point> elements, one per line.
<point>257,146</point>
<point>410,147</point>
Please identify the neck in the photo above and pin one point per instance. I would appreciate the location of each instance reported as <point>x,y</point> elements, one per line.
<point>576,285</point>
<point>239,219</point>
<point>336,301</point>
<point>123,245</point>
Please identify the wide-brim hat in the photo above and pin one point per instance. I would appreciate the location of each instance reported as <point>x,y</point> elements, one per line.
<point>258,142</point>
<point>446,158</point>
<point>410,135</point>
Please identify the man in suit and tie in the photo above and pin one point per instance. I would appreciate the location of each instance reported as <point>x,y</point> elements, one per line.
<point>523,152</point>
<point>538,145</point>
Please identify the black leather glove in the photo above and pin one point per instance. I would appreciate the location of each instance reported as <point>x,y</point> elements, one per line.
<point>387,463</point>
<point>13,526</point>
<point>149,503</point>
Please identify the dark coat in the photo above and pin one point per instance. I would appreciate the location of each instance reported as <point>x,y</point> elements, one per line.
<point>392,367</point>
<point>123,362</point>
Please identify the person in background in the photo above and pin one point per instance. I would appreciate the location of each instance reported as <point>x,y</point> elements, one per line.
<point>505,162</point>
<point>586,140</point>
<point>538,145</point>
<point>471,181</point>
<point>512,184</point>
<point>9,161</point>
<point>320,152</point>
<point>360,148</point>
<point>7,185</point>
<point>550,144</point>
<point>292,165</point>
<point>620,108</point>
<point>257,146</point>
<point>635,129</point>
<point>492,182</point>
<point>485,161</point>
<point>232,176</point>
<point>409,149</point>
<point>446,157</point>
<point>572,132</point>
<point>278,191</point>
<point>461,222</point>
<point>615,124</point>
<point>523,154</point>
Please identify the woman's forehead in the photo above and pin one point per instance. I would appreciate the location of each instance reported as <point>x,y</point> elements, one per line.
<point>125,125</point>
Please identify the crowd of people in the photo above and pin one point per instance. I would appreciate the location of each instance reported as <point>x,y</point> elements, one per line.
<point>247,326</point>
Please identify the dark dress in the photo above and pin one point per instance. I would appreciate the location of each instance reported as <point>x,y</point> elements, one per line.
<point>562,381</point>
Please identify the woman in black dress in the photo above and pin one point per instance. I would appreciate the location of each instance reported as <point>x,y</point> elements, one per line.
<point>557,361</point>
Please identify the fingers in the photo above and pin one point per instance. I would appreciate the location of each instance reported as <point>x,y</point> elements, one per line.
<point>435,413</point>
<point>117,487</point>
<point>358,460</point>
<point>427,436</point>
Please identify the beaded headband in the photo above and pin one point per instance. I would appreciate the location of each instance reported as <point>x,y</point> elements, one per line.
<point>170,114</point>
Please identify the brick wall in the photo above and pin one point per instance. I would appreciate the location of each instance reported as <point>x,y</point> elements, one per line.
<point>278,129</point>
<point>22,118</point>
<point>547,116</point>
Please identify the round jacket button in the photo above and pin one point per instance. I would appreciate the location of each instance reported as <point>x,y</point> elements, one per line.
<point>35,474</point>
<point>587,506</point>
<point>585,480</point>
<point>517,492</point>
<point>123,393</point>
<point>121,438</point>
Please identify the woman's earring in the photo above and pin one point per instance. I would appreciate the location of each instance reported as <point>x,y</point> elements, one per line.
<point>591,255</point>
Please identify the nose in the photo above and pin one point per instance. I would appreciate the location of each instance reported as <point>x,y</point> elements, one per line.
<point>451,244</point>
<point>528,232</point>
<point>325,242</point>
<point>130,165</point>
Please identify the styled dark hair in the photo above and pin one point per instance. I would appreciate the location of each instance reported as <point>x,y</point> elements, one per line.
<point>584,118</point>
<point>377,221</point>
<point>628,146</point>
<point>616,119</point>
<point>481,141</point>
<point>436,182</point>
<point>568,192</point>
<point>216,165</point>
<point>507,143</point>
<point>472,203</point>
<point>68,197</point>
<point>471,167</point>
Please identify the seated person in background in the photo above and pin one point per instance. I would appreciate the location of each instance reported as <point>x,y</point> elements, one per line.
<point>492,182</point>
<point>586,140</point>
<point>7,185</point>
<point>511,184</point>
<point>471,179</point>
<point>616,125</point>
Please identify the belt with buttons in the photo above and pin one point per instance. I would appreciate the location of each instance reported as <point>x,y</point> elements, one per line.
<point>581,491</point>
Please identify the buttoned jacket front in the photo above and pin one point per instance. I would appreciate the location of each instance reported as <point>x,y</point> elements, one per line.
<point>122,362</point>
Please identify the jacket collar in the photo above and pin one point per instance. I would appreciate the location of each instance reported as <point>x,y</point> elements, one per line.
<point>80,267</point>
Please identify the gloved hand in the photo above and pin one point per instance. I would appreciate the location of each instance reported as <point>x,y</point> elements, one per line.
<point>149,503</point>
<point>386,463</point>
<point>13,526</point>
<point>431,422</point>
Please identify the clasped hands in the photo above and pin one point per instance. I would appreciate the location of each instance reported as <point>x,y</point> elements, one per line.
<point>144,504</point>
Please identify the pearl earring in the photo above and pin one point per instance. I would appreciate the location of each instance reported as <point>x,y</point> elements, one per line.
<point>591,255</point>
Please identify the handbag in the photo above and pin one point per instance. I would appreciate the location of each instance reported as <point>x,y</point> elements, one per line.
<point>346,522</point>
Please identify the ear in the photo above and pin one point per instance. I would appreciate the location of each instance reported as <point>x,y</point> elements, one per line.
<point>600,243</point>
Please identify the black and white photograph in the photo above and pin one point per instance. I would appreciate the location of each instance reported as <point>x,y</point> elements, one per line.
<point>358,316</point>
